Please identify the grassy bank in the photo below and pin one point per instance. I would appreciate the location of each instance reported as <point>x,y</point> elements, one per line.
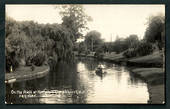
<point>148,68</point>
<point>25,73</point>
<point>113,56</point>
<point>153,76</point>
<point>155,79</point>
<point>152,60</point>
<point>157,94</point>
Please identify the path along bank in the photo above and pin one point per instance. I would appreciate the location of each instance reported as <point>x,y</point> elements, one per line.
<point>26,73</point>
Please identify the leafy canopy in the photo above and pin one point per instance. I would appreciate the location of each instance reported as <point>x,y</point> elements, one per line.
<point>74,19</point>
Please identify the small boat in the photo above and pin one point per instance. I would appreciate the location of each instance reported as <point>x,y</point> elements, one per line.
<point>99,71</point>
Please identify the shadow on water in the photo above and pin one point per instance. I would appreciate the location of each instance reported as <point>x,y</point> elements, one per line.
<point>78,83</point>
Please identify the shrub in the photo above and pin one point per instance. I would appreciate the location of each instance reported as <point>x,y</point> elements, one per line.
<point>37,60</point>
<point>142,49</point>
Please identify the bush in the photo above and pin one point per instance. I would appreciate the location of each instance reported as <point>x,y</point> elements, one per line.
<point>142,49</point>
<point>37,60</point>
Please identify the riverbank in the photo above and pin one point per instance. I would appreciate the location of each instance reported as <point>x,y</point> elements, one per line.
<point>149,68</point>
<point>25,73</point>
<point>155,79</point>
<point>153,60</point>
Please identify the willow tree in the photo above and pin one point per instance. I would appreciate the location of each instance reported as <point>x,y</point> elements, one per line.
<point>15,43</point>
<point>74,19</point>
<point>62,42</point>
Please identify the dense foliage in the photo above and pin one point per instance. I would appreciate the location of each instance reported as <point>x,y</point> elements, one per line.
<point>143,48</point>
<point>155,32</point>
<point>154,35</point>
<point>131,46</point>
<point>31,43</point>
<point>93,40</point>
<point>118,46</point>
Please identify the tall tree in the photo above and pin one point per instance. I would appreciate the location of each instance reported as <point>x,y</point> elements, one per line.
<point>74,19</point>
<point>93,40</point>
<point>132,41</point>
<point>155,31</point>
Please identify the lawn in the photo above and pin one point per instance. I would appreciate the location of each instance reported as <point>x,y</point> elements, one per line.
<point>113,56</point>
<point>152,58</point>
<point>144,72</point>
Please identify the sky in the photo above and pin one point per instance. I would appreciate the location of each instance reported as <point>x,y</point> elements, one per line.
<point>110,20</point>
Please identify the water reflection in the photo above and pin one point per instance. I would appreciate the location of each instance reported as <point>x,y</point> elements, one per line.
<point>78,83</point>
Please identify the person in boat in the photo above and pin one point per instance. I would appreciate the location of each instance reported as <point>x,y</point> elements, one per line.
<point>99,68</point>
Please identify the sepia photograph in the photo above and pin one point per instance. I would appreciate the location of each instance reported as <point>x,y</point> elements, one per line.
<point>85,54</point>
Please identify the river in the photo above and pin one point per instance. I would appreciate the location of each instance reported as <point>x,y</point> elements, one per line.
<point>78,83</point>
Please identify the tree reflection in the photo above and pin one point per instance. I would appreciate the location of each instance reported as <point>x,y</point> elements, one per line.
<point>66,78</point>
<point>90,63</point>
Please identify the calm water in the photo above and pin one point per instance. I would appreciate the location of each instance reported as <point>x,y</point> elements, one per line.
<point>78,83</point>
